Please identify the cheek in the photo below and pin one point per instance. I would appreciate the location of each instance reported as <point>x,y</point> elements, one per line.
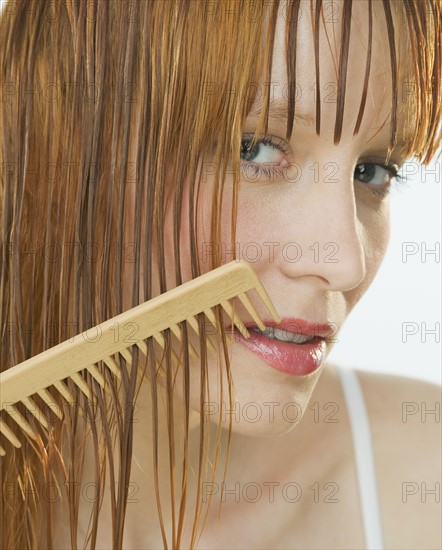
<point>254,224</point>
<point>377,229</point>
<point>205,245</point>
<point>375,232</point>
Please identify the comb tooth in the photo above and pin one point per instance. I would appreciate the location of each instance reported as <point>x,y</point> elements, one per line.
<point>33,409</point>
<point>268,303</point>
<point>194,324</point>
<point>227,306</point>
<point>15,414</point>
<point>159,338</point>
<point>143,347</point>
<point>251,310</point>
<point>65,392</point>
<point>2,451</point>
<point>81,383</point>
<point>9,434</point>
<point>211,316</point>
<point>49,400</point>
<point>97,375</point>
<point>162,363</point>
<point>113,366</point>
<point>127,355</point>
<point>176,331</point>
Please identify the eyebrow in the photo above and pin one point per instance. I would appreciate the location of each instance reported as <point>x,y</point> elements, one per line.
<point>278,112</point>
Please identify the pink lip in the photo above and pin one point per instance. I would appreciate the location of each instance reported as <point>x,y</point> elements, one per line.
<point>287,357</point>
<point>322,330</point>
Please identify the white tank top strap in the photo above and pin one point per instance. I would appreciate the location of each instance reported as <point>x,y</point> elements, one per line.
<point>363,450</point>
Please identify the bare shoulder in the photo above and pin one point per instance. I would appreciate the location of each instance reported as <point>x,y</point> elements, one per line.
<point>405,422</point>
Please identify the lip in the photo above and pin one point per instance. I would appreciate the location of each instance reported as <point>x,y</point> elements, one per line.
<point>299,326</point>
<point>287,357</point>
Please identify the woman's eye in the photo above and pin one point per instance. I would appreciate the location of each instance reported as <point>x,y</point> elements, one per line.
<point>379,178</point>
<point>375,175</point>
<point>266,161</point>
<point>266,151</point>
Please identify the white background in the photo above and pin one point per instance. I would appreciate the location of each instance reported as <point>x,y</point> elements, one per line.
<point>406,290</point>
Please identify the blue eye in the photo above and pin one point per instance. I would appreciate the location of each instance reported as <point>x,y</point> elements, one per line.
<point>266,158</point>
<point>378,177</point>
<point>265,150</point>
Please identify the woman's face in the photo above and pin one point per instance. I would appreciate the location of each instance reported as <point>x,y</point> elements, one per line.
<point>314,224</point>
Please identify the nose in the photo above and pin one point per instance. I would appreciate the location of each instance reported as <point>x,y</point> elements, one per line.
<point>323,235</point>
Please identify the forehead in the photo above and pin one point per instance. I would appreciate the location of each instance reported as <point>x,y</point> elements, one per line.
<point>377,112</point>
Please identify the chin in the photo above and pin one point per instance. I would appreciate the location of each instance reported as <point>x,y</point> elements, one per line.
<point>264,401</point>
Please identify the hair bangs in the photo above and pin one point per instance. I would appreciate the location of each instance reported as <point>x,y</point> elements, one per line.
<point>416,87</point>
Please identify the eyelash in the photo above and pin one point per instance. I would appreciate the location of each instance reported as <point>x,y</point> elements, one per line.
<point>396,179</point>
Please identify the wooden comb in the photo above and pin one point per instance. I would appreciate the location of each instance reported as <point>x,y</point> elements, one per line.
<point>219,287</point>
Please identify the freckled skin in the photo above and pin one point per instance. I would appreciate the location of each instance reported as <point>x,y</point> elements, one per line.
<point>312,210</point>
<point>345,213</point>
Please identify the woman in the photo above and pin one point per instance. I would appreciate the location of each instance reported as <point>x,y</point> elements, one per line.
<point>149,142</point>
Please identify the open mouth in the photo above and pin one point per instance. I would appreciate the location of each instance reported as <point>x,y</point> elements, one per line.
<point>289,352</point>
<point>284,335</point>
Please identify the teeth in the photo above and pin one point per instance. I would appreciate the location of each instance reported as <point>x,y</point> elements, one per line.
<point>283,335</point>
